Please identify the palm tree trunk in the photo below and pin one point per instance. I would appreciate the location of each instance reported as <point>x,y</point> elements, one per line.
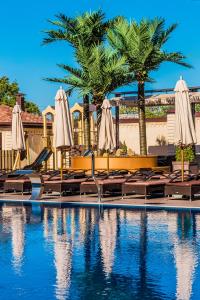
<point>86,121</point>
<point>98,100</point>
<point>98,110</point>
<point>142,120</point>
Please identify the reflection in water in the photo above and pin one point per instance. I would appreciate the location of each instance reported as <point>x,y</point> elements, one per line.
<point>107,231</point>
<point>15,217</point>
<point>62,254</point>
<point>184,254</point>
<point>62,248</point>
<point>92,254</point>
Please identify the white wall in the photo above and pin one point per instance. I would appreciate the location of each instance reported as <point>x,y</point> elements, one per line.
<point>129,132</point>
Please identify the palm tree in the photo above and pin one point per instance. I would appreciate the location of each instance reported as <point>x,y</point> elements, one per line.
<point>101,70</point>
<point>84,31</point>
<point>142,45</point>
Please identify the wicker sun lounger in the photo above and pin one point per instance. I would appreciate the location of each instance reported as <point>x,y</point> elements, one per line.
<point>145,188</point>
<point>150,185</point>
<point>102,186</point>
<point>63,186</point>
<point>113,184</point>
<point>185,188</point>
<point>17,185</point>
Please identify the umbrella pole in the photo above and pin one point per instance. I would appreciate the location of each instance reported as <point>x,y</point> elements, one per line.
<point>61,165</point>
<point>16,162</point>
<point>27,151</point>
<point>182,164</point>
<point>19,160</point>
<point>108,161</point>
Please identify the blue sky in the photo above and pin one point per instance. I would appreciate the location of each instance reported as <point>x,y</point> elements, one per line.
<point>22,58</point>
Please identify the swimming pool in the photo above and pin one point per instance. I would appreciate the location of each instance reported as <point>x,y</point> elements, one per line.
<point>86,253</point>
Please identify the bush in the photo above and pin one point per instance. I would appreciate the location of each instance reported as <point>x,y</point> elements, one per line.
<point>188,151</point>
<point>124,148</point>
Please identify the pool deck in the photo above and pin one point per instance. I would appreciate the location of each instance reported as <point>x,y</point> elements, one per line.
<point>109,201</point>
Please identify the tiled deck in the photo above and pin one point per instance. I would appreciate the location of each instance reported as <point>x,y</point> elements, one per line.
<point>114,201</point>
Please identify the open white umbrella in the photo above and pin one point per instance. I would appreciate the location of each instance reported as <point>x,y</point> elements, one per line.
<point>184,125</point>
<point>106,132</point>
<point>63,129</point>
<point>18,140</point>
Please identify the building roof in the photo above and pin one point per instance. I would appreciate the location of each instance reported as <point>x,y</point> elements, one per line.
<point>28,119</point>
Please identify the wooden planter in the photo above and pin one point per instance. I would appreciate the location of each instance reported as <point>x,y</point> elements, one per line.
<point>192,166</point>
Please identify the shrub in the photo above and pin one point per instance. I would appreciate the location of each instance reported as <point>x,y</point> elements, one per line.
<point>188,151</point>
<point>124,148</point>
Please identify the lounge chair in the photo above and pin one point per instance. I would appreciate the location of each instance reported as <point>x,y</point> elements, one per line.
<point>52,182</point>
<point>148,187</point>
<point>71,185</point>
<point>17,185</point>
<point>112,184</point>
<point>153,184</point>
<point>186,188</point>
<point>102,186</point>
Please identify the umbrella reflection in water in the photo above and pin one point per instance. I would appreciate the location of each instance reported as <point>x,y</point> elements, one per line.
<point>186,261</point>
<point>62,254</point>
<point>17,219</point>
<point>107,231</point>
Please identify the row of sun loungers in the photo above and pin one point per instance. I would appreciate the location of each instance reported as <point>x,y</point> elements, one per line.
<point>142,182</point>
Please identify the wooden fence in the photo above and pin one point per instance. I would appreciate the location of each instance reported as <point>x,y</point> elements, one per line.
<point>7,158</point>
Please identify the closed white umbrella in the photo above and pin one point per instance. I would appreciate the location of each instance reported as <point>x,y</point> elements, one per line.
<point>63,129</point>
<point>18,140</point>
<point>184,125</point>
<point>106,132</point>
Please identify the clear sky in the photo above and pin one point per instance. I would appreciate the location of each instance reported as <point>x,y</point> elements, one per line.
<point>22,58</point>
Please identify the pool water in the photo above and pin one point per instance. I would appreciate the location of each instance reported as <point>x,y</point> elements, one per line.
<point>87,253</point>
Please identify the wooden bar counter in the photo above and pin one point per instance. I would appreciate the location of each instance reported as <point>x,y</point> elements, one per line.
<point>115,163</point>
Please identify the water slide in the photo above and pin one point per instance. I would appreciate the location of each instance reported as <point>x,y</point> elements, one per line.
<point>42,157</point>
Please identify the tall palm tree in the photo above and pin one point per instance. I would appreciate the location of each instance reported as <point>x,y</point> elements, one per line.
<point>101,70</point>
<point>142,44</point>
<point>84,31</point>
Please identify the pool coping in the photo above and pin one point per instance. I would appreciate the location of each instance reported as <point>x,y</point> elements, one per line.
<point>61,204</point>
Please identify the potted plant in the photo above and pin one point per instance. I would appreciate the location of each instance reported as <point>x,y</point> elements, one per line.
<point>189,157</point>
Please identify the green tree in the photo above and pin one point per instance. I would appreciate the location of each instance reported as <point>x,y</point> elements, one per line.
<point>82,32</point>
<point>101,70</point>
<point>8,93</point>
<point>31,107</point>
<point>142,44</point>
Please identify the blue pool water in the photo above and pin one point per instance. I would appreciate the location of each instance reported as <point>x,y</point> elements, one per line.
<point>85,253</point>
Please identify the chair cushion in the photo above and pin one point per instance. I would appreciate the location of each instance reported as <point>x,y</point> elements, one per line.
<point>105,181</point>
<point>73,180</point>
<point>147,183</point>
<point>185,183</point>
<point>17,180</point>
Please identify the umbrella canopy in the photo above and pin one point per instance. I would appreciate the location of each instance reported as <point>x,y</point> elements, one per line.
<point>63,128</point>
<point>106,132</point>
<point>18,141</point>
<point>184,132</point>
